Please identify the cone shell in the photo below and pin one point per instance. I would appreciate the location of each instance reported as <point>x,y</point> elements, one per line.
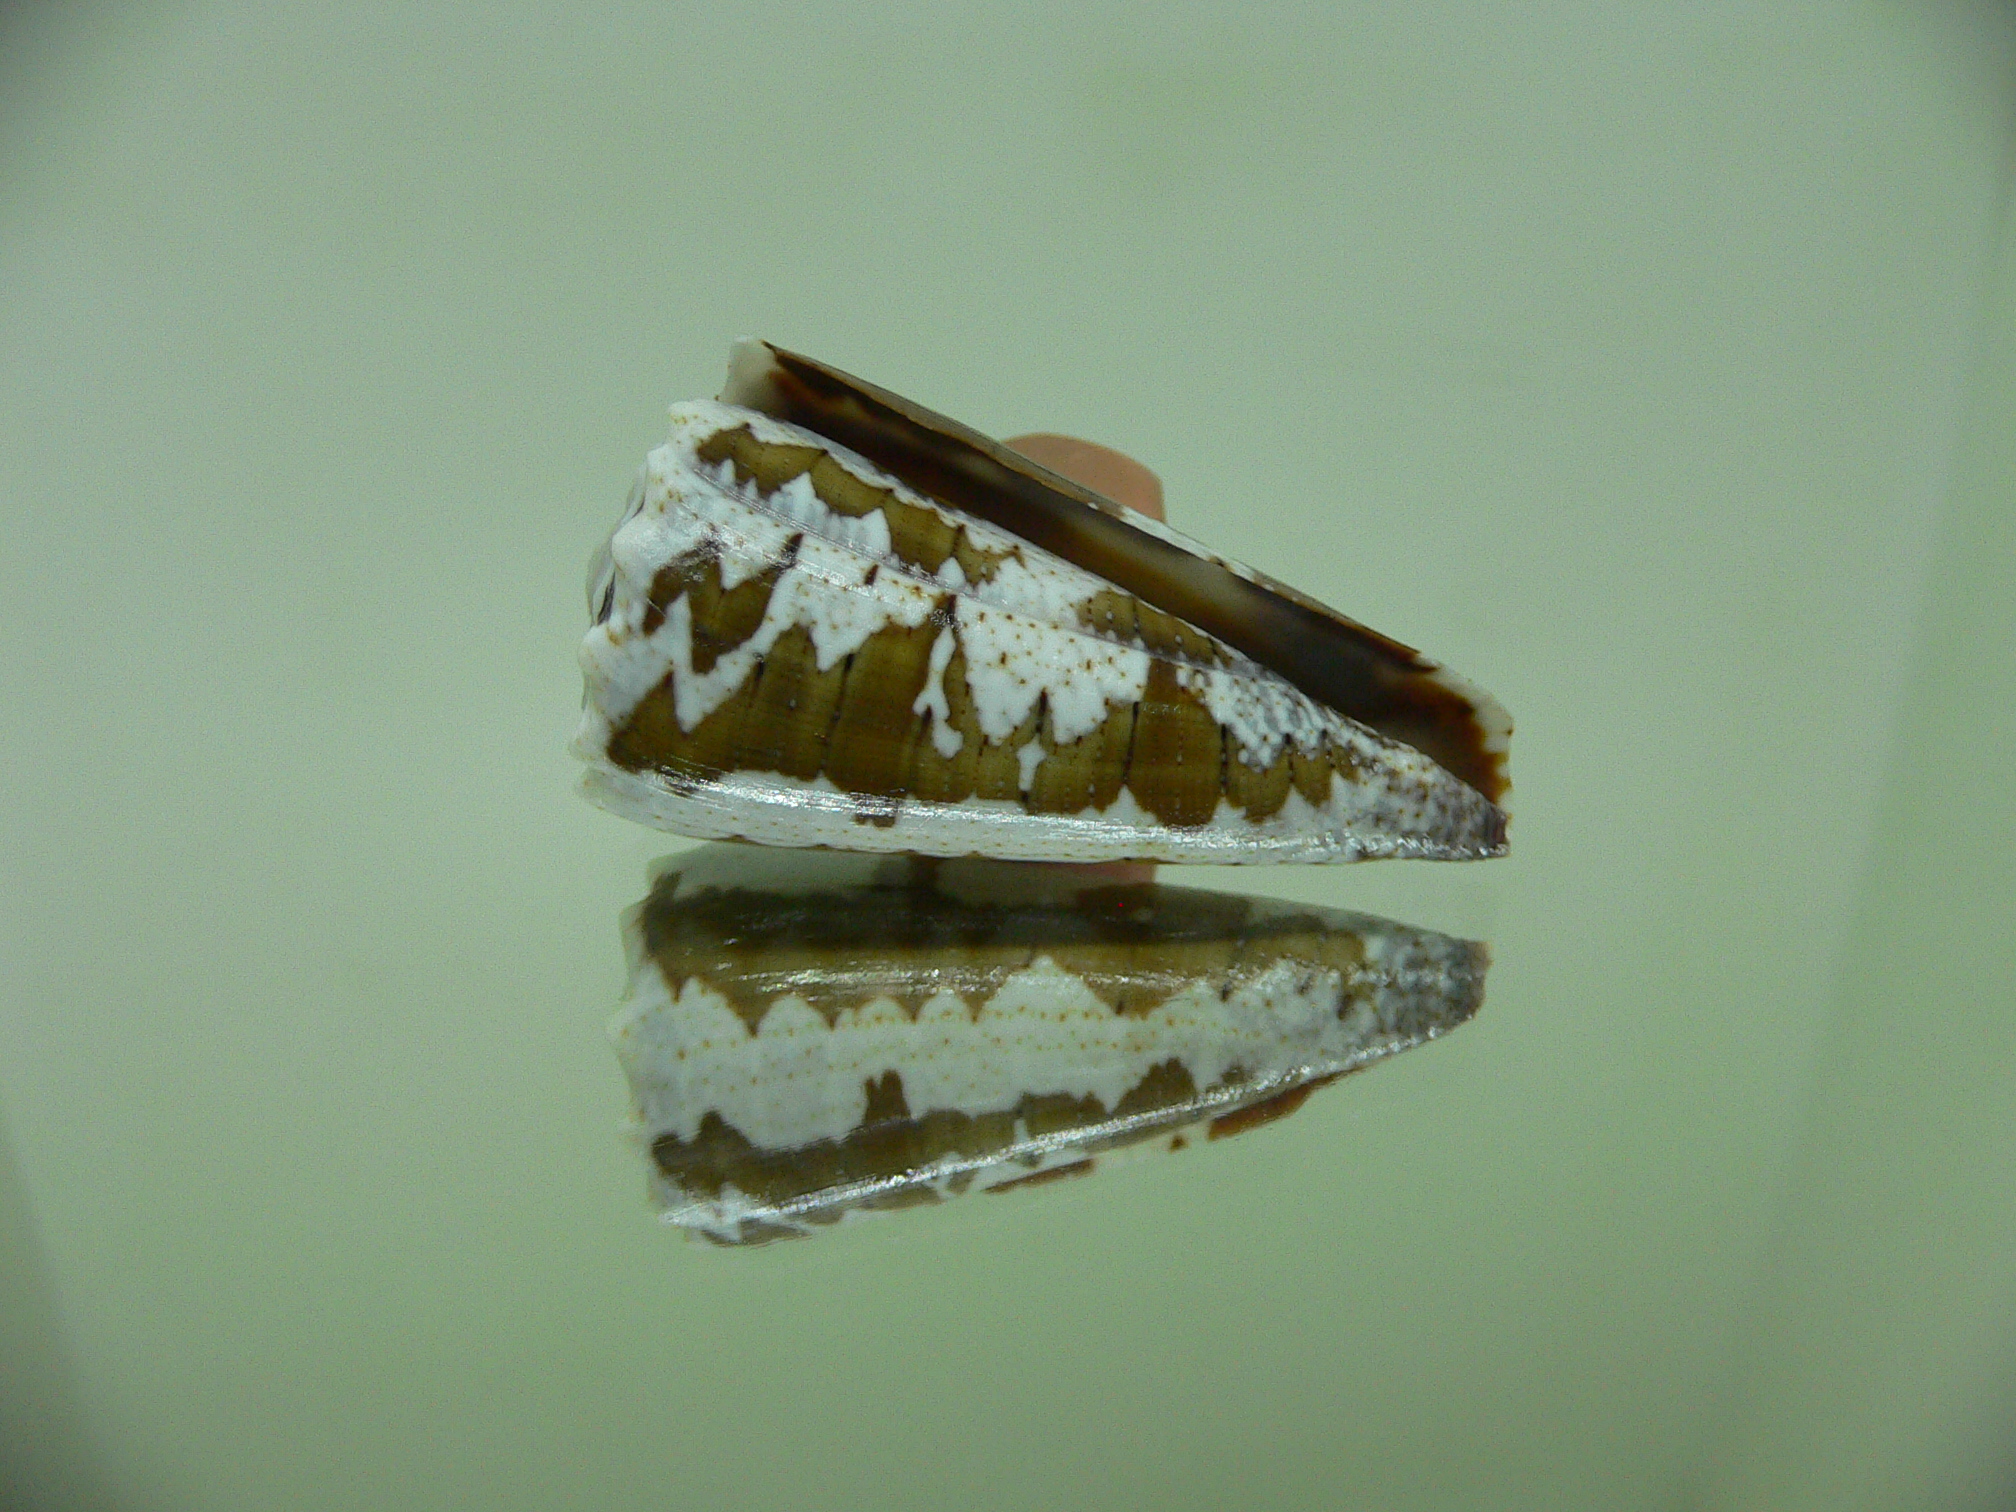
<point>831,618</point>
<point>811,1036</point>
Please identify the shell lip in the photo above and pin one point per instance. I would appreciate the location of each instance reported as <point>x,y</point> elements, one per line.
<point>1365,676</point>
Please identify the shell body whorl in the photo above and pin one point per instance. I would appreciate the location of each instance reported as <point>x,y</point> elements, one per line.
<point>796,645</point>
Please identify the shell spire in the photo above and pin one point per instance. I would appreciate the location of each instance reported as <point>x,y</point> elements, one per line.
<point>833,617</point>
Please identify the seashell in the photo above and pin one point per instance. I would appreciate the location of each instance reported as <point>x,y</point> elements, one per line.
<point>810,1036</point>
<point>830,617</point>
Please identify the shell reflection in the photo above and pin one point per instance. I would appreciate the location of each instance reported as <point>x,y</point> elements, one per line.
<point>809,1035</point>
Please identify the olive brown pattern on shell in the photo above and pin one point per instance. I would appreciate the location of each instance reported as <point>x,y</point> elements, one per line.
<point>809,1035</point>
<point>795,646</point>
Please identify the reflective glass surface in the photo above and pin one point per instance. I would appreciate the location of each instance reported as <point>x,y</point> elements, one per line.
<point>1653,368</point>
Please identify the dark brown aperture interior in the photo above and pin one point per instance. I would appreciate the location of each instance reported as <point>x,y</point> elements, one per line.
<point>1336,661</point>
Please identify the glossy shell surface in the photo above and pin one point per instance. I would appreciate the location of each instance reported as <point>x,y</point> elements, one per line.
<point>796,645</point>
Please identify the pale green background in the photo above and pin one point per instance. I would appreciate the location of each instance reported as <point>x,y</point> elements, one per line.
<point>1651,364</point>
